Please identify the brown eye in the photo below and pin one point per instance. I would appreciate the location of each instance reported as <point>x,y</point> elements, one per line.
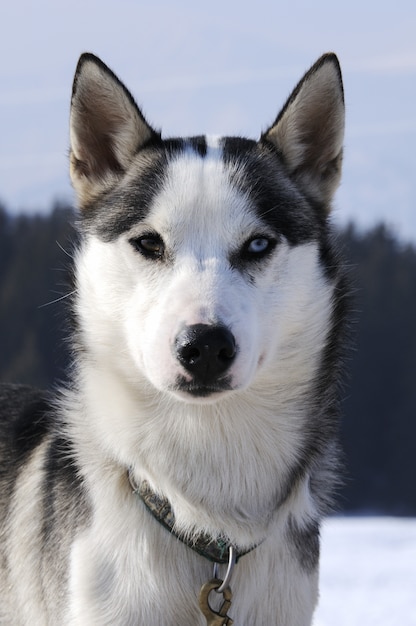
<point>150,246</point>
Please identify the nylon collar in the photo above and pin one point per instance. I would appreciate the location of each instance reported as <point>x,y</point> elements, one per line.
<point>215,550</point>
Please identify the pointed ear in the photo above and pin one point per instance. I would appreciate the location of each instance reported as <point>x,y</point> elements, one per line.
<point>106,128</point>
<point>309,131</point>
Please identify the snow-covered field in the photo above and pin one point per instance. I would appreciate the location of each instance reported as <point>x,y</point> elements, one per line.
<point>368,572</point>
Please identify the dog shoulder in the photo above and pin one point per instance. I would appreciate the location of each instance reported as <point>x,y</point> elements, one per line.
<point>24,420</point>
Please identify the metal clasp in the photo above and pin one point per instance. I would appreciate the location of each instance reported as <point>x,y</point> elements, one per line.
<point>222,586</point>
<point>215,618</point>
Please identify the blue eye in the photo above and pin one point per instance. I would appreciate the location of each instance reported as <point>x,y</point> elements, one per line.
<point>258,245</point>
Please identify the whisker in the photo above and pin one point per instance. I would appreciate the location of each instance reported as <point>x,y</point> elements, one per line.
<point>67,295</point>
<point>63,250</point>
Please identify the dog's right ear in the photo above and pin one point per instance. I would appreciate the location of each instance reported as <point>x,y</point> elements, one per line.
<point>106,129</point>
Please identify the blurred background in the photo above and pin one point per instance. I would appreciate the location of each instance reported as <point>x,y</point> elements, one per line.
<point>227,67</point>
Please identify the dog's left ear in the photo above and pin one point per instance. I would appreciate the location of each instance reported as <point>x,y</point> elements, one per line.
<point>309,131</point>
<point>106,129</point>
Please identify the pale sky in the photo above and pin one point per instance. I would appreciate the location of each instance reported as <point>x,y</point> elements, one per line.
<point>218,67</point>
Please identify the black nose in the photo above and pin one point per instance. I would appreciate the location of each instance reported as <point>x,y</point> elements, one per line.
<point>205,351</point>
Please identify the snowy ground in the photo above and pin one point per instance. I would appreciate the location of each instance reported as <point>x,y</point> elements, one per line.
<point>368,572</point>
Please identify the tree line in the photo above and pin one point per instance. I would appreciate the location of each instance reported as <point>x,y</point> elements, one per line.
<point>378,430</point>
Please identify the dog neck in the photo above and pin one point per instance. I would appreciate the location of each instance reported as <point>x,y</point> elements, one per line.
<point>215,550</point>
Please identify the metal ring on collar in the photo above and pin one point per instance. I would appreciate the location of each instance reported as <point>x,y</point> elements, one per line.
<point>230,568</point>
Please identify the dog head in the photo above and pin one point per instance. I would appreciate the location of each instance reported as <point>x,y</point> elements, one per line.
<point>205,263</point>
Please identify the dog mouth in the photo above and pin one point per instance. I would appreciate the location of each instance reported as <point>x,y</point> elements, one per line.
<point>198,389</point>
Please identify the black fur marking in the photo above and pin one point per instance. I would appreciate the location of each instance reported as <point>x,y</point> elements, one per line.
<point>27,418</point>
<point>24,412</point>
<point>257,171</point>
<point>23,426</point>
<point>305,543</point>
<point>321,453</point>
<point>60,479</point>
<point>123,206</point>
<point>199,144</point>
<point>320,456</point>
<point>65,511</point>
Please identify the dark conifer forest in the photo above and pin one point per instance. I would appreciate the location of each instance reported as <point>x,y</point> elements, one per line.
<point>379,424</point>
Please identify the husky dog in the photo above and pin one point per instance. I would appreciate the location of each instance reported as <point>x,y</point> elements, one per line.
<point>201,423</point>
